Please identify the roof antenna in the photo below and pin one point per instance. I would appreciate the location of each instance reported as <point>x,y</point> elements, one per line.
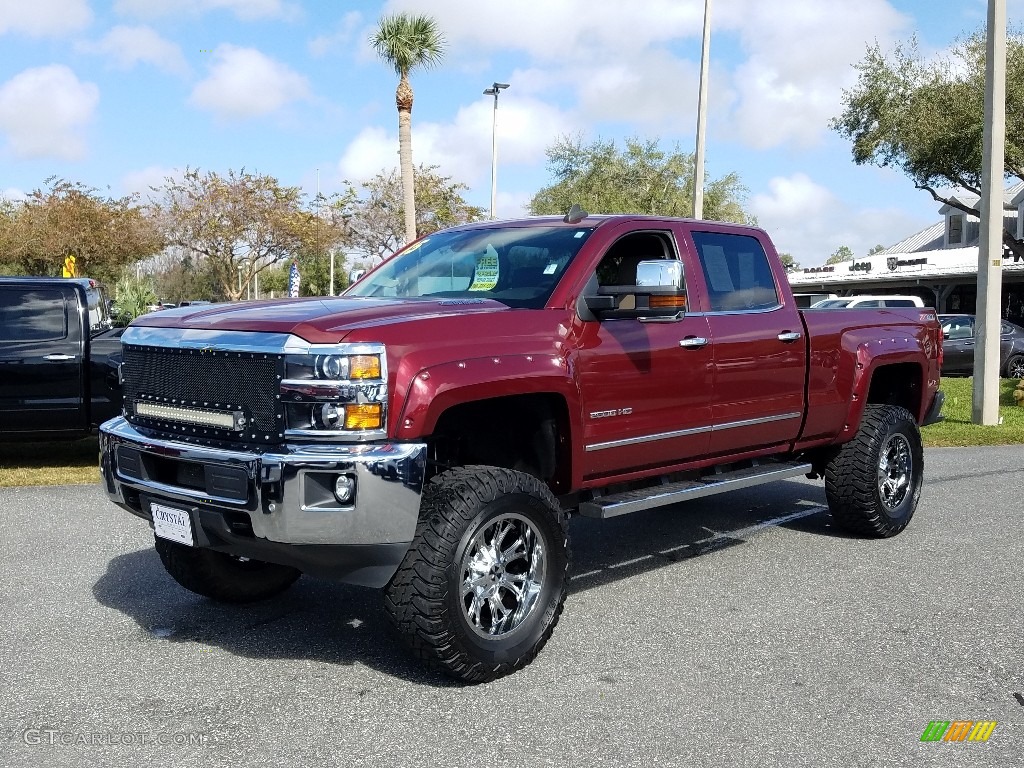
<point>575,215</point>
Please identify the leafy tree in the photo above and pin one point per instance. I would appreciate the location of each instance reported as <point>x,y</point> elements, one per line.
<point>104,234</point>
<point>183,277</point>
<point>406,42</point>
<point>876,249</point>
<point>640,178</point>
<point>374,213</point>
<point>842,253</point>
<point>788,262</point>
<point>132,297</point>
<point>924,116</point>
<point>315,270</point>
<point>241,224</point>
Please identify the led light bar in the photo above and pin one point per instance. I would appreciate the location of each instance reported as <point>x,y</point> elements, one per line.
<point>233,420</point>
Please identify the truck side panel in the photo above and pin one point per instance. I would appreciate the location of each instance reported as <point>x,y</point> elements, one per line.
<point>846,350</point>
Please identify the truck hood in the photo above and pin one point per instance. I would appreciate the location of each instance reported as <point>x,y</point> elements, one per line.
<point>316,320</point>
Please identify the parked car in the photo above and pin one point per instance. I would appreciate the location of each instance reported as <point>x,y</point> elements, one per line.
<point>958,347</point>
<point>864,302</point>
<point>59,358</point>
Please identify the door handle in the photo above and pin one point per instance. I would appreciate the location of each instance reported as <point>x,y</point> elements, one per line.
<point>58,358</point>
<point>693,342</point>
<point>788,337</point>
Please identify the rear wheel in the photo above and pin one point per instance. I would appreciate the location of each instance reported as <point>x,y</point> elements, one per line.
<point>483,584</point>
<point>223,577</point>
<point>874,482</point>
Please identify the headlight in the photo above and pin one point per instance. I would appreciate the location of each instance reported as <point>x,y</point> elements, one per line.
<point>333,367</point>
<point>338,390</point>
<point>347,367</point>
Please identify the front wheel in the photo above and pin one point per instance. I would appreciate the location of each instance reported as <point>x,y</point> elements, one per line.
<point>873,483</point>
<point>223,577</point>
<point>483,583</point>
<point>1015,367</point>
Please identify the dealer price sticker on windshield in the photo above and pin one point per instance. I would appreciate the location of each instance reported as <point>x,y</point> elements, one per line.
<point>172,524</point>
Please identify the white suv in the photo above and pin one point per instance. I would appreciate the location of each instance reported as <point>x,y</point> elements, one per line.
<point>864,302</point>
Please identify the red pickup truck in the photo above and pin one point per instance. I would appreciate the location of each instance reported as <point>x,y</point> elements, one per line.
<point>431,430</point>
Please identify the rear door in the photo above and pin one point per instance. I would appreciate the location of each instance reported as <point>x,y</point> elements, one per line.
<point>760,358</point>
<point>41,365</point>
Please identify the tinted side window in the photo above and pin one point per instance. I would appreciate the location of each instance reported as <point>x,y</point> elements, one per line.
<point>34,315</point>
<point>737,272</point>
<point>899,303</point>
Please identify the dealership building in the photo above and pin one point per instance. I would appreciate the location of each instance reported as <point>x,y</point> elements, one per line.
<point>939,264</point>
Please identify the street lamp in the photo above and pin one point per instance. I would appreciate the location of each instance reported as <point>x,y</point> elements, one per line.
<point>494,90</point>
<point>702,108</point>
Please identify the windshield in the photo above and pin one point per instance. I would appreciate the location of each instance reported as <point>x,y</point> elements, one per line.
<point>518,266</point>
<point>831,304</point>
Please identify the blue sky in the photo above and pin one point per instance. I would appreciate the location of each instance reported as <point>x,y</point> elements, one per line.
<point>120,94</point>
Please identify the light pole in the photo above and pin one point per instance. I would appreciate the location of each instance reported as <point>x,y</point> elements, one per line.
<point>702,106</point>
<point>985,402</point>
<point>494,90</point>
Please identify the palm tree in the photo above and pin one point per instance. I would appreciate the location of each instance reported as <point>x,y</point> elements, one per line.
<point>405,42</point>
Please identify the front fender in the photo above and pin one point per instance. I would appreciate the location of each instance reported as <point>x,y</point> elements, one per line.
<point>434,390</point>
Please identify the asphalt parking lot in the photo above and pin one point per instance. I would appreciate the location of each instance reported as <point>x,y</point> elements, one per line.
<point>736,630</point>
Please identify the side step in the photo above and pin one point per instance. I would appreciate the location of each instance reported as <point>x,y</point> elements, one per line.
<point>616,504</point>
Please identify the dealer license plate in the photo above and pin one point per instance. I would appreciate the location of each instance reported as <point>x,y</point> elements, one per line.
<point>172,524</point>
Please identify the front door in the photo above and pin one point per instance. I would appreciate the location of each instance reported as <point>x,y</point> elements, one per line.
<point>645,386</point>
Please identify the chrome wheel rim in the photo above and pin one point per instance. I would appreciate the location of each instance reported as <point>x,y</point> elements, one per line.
<point>895,469</point>
<point>502,575</point>
<point>1016,370</point>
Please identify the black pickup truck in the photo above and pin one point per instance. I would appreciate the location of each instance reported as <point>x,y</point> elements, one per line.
<point>59,358</point>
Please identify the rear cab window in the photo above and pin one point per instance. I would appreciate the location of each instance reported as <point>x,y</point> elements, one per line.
<point>736,272</point>
<point>32,315</point>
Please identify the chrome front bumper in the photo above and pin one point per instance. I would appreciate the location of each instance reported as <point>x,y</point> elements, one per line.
<point>281,502</point>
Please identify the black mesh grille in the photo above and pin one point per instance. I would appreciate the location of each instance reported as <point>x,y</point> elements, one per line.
<point>207,380</point>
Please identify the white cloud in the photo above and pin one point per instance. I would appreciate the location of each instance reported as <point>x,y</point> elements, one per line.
<point>511,205</point>
<point>654,91</point>
<point>777,74</point>
<point>13,194</point>
<point>569,30</point>
<point>340,38</point>
<point>128,46</point>
<point>798,63</point>
<point>44,18</point>
<point>245,83</point>
<point>371,151</point>
<point>142,181</point>
<point>246,10</point>
<point>44,110</point>
<point>806,220</point>
<point>462,147</point>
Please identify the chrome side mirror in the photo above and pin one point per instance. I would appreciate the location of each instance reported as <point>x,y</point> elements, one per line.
<point>660,273</point>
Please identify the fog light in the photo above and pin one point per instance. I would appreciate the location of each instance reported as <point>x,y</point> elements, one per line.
<point>345,488</point>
